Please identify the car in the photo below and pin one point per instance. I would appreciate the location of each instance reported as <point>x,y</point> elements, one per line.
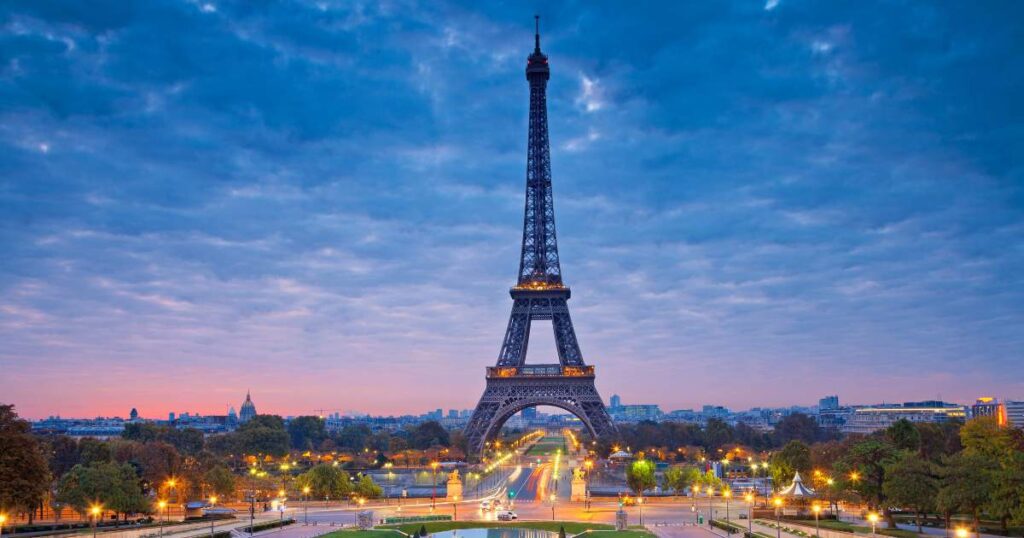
<point>485,505</point>
<point>507,515</point>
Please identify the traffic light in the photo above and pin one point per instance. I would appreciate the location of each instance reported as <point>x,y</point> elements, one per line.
<point>511,494</point>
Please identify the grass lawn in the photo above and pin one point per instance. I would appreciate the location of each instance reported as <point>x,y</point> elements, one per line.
<point>571,528</point>
<point>547,446</point>
<point>849,527</point>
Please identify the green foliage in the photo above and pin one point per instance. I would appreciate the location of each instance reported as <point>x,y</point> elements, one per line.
<point>903,435</point>
<point>910,482</point>
<point>640,476</point>
<point>868,459</point>
<point>114,486</point>
<point>325,481</point>
<point>794,457</point>
<point>428,434</point>
<point>94,451</point>
<point>184,440</point>
<point>366,488</point>
<point>966,483</point>
<point>221,481</point>
<point>798,427</point>
<point>24,473</point>
<point>263,434</point>
<point>306,432</point>
<point>680,478</point>
<point>710,480</point>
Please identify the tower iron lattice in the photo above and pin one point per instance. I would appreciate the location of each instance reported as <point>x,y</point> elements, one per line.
<point>539,294</point>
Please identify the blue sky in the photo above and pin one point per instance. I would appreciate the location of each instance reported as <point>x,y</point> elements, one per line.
<point>758,203</point>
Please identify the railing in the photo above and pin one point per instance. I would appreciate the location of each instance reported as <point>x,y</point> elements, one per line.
<point>540,370</point>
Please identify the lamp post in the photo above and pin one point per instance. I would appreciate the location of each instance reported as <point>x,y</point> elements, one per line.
<point>95,511</point>
<point>252,499</point>
<point>817,526</point>
<point>727,494</point>
<point>749,497</point>
<point>694,490</point>
<point>433,496</point>
<point>162,507</point>
<point>305,505</point>
<point>455,508</point>
<point>280,506</point>
<point>640,506</point>
<point>3,519</point>
<point>961,532</point>
<point>711,500</point>
<point>213,501</point>
<point>552,498</point>
<point>778,516</point>
<point>873,518</point>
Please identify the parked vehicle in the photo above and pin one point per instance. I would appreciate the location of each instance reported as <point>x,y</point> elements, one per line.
<point>507,515</point>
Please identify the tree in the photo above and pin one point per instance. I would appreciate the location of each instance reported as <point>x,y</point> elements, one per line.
<point>793,458</point>
<point>115,486</point>
<point>367,489</point>
<point>221,481</point>
<point>262,434</point>
<point>966,484</point>
<point>716,434</point>
<point>325,481</point>
<point>24,473</point>
<point>640,476</point>
<point>94,451</point>
<point>429,434</point>
<point>680,478</point>
<point>903,435</point>
<point>910,482</point>
<point>798,427</point>
<point>863,469</point>
<point>157,462</point>
<point>306,432</point>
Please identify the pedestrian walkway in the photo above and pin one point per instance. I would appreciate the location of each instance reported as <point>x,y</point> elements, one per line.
<point>680,531</point>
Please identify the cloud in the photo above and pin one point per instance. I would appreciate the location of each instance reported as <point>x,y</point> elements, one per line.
<point>305,191</point>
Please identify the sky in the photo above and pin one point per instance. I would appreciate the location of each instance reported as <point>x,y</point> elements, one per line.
<point>758,203</point>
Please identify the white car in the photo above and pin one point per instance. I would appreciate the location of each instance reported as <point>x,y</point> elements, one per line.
<point>507,515</point>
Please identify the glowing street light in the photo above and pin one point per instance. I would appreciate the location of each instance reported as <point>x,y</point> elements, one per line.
<point>95,511</point>
<point>749,497</point>
<point>873,518</point>
<point>961,532</point>
<point>817,528</point>
<point>305,505</point>
<point>778,516</point>
<point>3,519</point>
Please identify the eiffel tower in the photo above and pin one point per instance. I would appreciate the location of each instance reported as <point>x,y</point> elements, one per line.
<point>539,294</point>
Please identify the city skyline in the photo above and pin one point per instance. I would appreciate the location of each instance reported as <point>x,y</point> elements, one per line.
<point>301,201</point>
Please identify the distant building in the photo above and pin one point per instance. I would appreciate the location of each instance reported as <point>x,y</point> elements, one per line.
<point>987,406</point>
<point>232,416</point>
<point>874,418</point>
<point>615,401</point>
<point>170,417</point>
<point>1014,413</point>
<point>828,403</point>
<point>530,413</point>
<point>635,412</point>
<point>453,413</point>
<point>134,415</point>
<point>248,410</point>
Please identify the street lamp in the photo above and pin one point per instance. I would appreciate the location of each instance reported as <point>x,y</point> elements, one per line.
<point>455,507</point>
<point>305,505</point>
<point>727,494</point>
<point>749,497</point>
<point>552,498</point>
<point>252,499</point>
<point>162,505</point>
<point>640,506</point>
<point>873,518</point>
<point>3,519</point>
<point>778,516</point>
<point>213,501</point>
<point>961,532</point>
<point>95,511</point>
<point>817,526</point>
<point>711,510</point>
<point>433,496</point>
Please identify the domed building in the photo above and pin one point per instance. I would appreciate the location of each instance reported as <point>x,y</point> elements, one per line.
<point>248,410</point>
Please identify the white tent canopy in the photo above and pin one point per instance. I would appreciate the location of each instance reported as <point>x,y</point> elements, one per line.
<point>797,488</point>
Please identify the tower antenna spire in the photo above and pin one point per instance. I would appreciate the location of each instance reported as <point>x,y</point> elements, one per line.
<point>536,35</point>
